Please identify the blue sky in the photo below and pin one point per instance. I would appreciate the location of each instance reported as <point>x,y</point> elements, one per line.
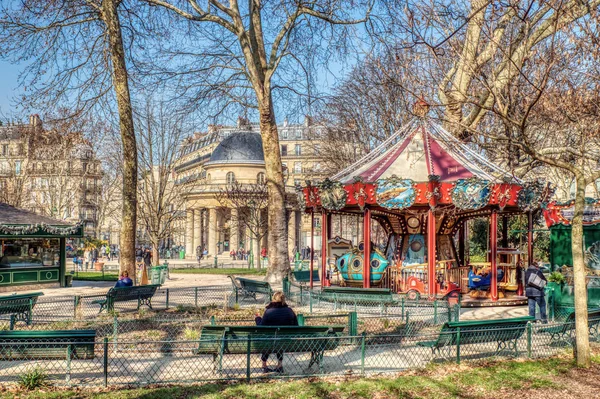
<point>8,88</point>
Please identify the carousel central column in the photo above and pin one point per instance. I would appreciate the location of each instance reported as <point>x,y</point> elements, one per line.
<point>493,255</point>
<point>367,245</point>
<point>312,246</point>
<point>324,237</point>
<point>431,250</point>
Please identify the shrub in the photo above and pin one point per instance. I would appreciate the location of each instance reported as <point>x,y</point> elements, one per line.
<point>191,334</point>
<point>33,379</point>
<point>557,277</point>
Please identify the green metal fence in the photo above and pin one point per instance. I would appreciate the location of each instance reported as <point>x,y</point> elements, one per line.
<point>163,361</point>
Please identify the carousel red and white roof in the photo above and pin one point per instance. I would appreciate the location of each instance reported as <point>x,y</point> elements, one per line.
<point>419,150</point>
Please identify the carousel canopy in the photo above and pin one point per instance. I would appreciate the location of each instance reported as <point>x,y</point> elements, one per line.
<point>424,166</point>
<point>419,150</point>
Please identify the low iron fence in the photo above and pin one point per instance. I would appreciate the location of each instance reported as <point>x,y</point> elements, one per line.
<point>126,361</point>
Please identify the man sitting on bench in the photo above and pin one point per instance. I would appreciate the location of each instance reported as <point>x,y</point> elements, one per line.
<point>277,314</point>
<point>124,280</point>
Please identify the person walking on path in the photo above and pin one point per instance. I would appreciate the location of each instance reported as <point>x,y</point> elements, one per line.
<point>277,313</point>
<point>535,281</point>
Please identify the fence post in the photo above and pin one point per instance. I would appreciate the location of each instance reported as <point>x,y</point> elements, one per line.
<point>352,324</point>
<point>286,286</point>
<point>362,355</point>
<point>167,298</point>
<point>76,302</point>
<point>529,333</point>
<point>457,312</point>
<point>212,321</point>
<point>105,361</point>
<point>458,345</point>
<point>402,307</point>
<point>115,330</point>
<point>196,296</point>
<point>310,300</point>
<point>69,352</point>
<point>435,312</point>
<point>248,347</point>
<point>300,317</point>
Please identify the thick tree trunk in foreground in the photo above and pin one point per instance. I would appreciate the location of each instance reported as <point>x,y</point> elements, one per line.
<point>277,250</point>
<point>120,83</point>
<point>582,340</point>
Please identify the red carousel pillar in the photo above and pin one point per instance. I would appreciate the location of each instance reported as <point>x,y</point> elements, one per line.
<point>325,218</point>
<point>529,237</point>
<point>312,245</point>
<point>431,253</point>
<point>493,255</point>
<point>367,251</point>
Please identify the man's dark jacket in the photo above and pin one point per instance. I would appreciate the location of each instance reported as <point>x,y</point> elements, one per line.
<point>277,315</point>
<point>530,291</point>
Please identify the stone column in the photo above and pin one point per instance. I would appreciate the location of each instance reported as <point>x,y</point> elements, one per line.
<point>189,235</point>
<point>234,233</point>
<point>212,232</point>
<point>197,228</point>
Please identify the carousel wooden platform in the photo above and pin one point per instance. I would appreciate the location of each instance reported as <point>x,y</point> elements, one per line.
<point>467,302</point>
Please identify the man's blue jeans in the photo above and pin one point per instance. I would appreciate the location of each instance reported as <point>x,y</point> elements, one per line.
<point>541,302</point>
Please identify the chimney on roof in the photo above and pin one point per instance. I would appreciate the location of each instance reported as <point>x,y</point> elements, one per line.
<point>35,121</point>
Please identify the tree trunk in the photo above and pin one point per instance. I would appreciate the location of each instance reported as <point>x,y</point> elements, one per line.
<point>121,85</point>
<point>155,256</point>
<point>582,341</point>
<point>277,252</point>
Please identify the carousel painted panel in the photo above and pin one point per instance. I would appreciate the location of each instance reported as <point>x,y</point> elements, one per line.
<point>395,193</point>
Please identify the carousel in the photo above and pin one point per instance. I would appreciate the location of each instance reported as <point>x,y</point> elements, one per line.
<point>418,190</point>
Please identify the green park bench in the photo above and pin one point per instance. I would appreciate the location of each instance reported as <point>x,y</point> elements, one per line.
<point>563,331</point>
<point>357,296</point>
<point>248,288</point>
<point>301,280</point>
<point>41,345</point>
<point>19,307</point>
<point>221,340</point>
<point>142,294</point>
<point>504,332</point>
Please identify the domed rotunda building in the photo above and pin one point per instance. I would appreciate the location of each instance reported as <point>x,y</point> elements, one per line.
<point>214,221</point>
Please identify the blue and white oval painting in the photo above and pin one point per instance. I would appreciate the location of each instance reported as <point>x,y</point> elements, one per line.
<point>395,193</point>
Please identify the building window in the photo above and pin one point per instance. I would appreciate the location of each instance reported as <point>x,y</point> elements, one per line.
<point>284,150</point>
<point>298,149</point>
<point>299,133</point>
<point>208,177</point>
<point>17,167</point>
<point>4,149</point>
<point>260,178</point>
<point>230,178</point>
<point>297,182</point>
<point>284,134</point>
<point>317,149</point>
<point>297,167</point>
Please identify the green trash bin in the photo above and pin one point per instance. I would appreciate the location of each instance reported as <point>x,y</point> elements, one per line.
<point>68,280</point>
<point>163,274</point>
<point>181,254</point>
<point>155,275</point>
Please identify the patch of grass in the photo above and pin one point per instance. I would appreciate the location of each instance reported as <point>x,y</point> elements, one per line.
<point>33,379</point>
<point>223,271</point>
<point>515,379</point>
<point>95,276</point>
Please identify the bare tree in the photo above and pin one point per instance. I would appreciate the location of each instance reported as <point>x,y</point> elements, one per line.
<point>82,44</point>
<point>250,201</point>
<point>160,131</point>
<point>240,54</point>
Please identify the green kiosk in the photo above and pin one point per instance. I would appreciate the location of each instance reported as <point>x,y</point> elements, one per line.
<point>32,250</point>
<point>558,219</point>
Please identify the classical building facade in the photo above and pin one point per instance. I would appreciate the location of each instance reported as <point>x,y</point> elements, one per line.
<point>227,156</point>
<point>51,173</point>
